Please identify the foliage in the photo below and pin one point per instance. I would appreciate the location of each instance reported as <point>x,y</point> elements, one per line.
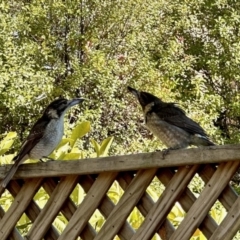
<point>187,50</point>
<point>182,51</point>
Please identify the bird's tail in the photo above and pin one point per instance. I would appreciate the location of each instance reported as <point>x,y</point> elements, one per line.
<point>210,143</point>
<point>9,175</point>
<point>200,140</point>
<point>207,142</point>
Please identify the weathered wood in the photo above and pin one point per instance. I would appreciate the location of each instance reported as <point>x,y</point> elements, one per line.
<point>52,207</point>
<point>14,235</point>
<point>88,206</point>
<point>205,201</point>
<point>228,195</point>
<point>18,206</point>
<point>125,205</point>
<point>127,162</point>
<point>69,208</point>
<point>186,200</point>
<point>145,204</point>
<point>106,207</point>
<point>230,224</point>
<point>162,207</point>
<point>32,211</point>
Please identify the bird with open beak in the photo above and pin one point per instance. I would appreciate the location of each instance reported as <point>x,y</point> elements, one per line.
<point>169,123</point>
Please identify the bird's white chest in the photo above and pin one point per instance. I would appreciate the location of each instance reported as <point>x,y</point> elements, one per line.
<point>54,133</point>
<point>51,138</point>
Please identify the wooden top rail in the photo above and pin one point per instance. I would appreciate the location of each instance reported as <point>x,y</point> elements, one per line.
<point>159,159</point>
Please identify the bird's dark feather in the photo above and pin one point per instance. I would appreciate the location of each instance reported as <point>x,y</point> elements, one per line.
<point>173,115</point>
<point>35,135</point>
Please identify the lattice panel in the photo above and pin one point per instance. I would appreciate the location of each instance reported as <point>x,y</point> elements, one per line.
<point>134,186</point>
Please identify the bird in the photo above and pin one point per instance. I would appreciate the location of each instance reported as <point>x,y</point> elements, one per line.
<point>169,123</point>
<point>44,136</point>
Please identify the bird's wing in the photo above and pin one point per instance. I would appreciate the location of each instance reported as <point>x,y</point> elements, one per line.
<point>33,138</point>
<point>177,117</point>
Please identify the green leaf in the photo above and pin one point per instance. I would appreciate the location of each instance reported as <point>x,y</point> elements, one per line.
<point>72,156</point>
<point>63,142</point>
<point>96,147</point>
<point>60,152</point>
<point>102,150</point>
<point>79,131</point>
<point>11,135</point>
<point>106,144</point>
<point>75,150</point>
<point>6,159</point>
<point>6,146</point>
<point>60,156</point>
<point>7,142</point>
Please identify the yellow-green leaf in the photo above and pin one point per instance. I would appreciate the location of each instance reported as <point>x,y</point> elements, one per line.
<point>79,131</point>
<point>72,156</point>
<point>11,135</point>
<point>106,144</point>
<point>63,142</point>
<point>7,142</point>
<point>96,146</point>
<point>5,146</point>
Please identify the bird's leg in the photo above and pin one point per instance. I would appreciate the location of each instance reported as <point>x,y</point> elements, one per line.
<point>166,151</point>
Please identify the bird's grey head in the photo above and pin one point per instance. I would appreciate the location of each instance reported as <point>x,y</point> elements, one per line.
<point>144,98</point>
<point>59,106</point>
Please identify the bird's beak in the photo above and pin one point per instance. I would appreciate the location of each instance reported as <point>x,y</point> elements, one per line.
<point>75,101</point>
<point>134,92</point>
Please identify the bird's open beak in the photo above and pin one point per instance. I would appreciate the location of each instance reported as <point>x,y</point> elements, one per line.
<point>75,101</point>
<point>134,92</point>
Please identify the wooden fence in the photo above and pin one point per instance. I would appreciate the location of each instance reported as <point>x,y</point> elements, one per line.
<point>134,173</point>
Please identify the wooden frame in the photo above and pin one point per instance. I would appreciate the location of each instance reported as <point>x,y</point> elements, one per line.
<point>174,169</point>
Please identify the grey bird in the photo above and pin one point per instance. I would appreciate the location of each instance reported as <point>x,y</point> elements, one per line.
<point>169,123</point>
<point>44,136</point>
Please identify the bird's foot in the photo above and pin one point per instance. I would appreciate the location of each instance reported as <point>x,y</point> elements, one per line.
<point>47,158</point>
<point>166,151</point>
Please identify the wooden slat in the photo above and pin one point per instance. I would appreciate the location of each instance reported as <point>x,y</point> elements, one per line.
<point>145,204</point>
<point>205,201</point>
<point>125,205</point>
<point>33,210</point>
<point>162,207</point>
<point>228,195</point>
<point>186,200</point>
<point>2,189</point>
<point>69,208</point>
<point>127,162</point>
<point>18,206</point>
<point>52,207</point>
<point>106,208</point>
<point>88,206</point>
<point>230,224</point>
<point>14,235</point>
